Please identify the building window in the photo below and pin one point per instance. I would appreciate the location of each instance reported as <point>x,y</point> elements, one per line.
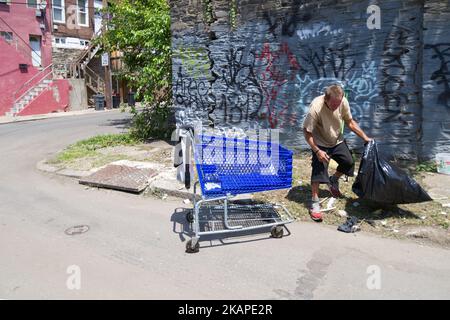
<point>83,13</point>
<point>59,40</point>
<point>84,42</point>
<point>8,36</point>
<point>59,14</point>
<point>32,3</point>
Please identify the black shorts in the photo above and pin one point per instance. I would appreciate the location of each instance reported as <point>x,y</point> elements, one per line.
<point>339,153</point>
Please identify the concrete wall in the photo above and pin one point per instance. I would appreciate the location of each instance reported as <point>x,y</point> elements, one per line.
<point>435,134</point>
<point>258,64</point>
<point>78,95</point>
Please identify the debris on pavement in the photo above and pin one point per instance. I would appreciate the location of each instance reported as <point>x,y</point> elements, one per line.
<point>350,226</point>
<point>371,223</point>
<point>331,203</point>
<point>342,213</point>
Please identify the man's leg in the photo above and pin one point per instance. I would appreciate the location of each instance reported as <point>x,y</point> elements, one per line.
<point>319,175</point>
<point>315,190</point>
<point>341,154</point>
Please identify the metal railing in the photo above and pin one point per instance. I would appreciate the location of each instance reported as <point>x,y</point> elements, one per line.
<point>76,66</point>
<point>94,80</point>
<point>33,82</point>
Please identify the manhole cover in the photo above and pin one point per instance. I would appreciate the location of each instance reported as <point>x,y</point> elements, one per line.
<point>77,230</point>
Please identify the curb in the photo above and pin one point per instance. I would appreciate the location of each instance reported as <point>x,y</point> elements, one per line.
<point>8,120</point>
<point>158,186</point>
<point>45,167</point>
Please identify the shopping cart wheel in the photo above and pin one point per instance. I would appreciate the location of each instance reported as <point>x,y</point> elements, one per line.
<point>189,248</point>
<point>190,217</point>
<point>277,232</point>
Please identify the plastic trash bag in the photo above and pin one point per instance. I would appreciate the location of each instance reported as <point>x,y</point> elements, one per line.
<point>380,181</point>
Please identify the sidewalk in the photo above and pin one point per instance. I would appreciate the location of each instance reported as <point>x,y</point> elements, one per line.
<point>11,119</point>
<point>438,187</point>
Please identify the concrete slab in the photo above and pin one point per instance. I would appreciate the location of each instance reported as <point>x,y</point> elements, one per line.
<point>438,186</point>
<point>121,177</point>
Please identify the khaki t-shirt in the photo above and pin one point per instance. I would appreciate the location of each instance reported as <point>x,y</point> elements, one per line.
<point>327,126</point>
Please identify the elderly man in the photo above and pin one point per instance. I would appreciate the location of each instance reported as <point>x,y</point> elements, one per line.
<point>323,129</point>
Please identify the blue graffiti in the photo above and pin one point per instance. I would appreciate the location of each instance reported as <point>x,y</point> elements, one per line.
<point>360,88</point>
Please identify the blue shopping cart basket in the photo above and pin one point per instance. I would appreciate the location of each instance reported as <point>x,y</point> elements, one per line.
<point>227,167</point>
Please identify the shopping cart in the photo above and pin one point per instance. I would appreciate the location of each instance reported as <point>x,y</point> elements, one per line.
<point>227,167</point>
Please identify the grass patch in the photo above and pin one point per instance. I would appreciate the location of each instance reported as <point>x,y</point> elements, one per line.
<point>88,147</point>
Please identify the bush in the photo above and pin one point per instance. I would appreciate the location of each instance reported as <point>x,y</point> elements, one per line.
<point>152,123</point>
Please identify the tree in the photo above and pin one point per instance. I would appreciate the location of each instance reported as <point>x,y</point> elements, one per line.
<point>140,29</point>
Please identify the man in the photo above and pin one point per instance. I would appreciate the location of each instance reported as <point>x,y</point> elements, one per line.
<point>324,129</point>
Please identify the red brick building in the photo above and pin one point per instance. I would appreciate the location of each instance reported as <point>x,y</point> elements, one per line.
<point>41,43</point>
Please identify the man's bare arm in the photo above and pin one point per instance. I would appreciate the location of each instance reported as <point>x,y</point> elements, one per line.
<point>353,125</point>
<point>321,155</point>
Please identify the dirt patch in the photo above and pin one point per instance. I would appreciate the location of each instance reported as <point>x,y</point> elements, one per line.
<point>392,221</point>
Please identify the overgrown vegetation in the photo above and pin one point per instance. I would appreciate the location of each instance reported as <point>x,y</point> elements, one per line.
<point>208,11</point>
<point>429,166</point>
<point>233,14</point>
<point>152,122</point>
<point>140,29</point>
<point>89,147</point>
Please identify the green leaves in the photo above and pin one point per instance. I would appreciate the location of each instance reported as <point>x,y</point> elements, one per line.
<point>142,32</point>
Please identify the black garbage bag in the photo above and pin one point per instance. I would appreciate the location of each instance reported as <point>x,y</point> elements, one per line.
<point>380,181</point>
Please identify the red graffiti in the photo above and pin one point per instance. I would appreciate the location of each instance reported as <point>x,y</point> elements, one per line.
<point>277,68</point>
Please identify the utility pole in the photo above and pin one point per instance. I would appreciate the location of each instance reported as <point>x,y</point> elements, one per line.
<point>108,80</point>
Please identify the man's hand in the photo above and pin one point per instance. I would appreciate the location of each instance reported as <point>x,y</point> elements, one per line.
<point>367,139</point>
<point>323,156</point>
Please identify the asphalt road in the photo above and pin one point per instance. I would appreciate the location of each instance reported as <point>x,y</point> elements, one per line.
<point>134,248</point>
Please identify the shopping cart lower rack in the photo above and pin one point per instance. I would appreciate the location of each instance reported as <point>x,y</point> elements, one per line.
<point>227,167</point>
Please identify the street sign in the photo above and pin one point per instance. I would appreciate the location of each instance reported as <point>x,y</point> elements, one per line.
<point>105,60</point>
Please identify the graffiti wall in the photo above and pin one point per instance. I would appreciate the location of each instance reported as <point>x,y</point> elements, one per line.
<point>258,64</point>
<point>435,133</point>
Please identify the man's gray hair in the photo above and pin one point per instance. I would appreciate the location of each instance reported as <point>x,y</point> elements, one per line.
<point>334,91</point>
